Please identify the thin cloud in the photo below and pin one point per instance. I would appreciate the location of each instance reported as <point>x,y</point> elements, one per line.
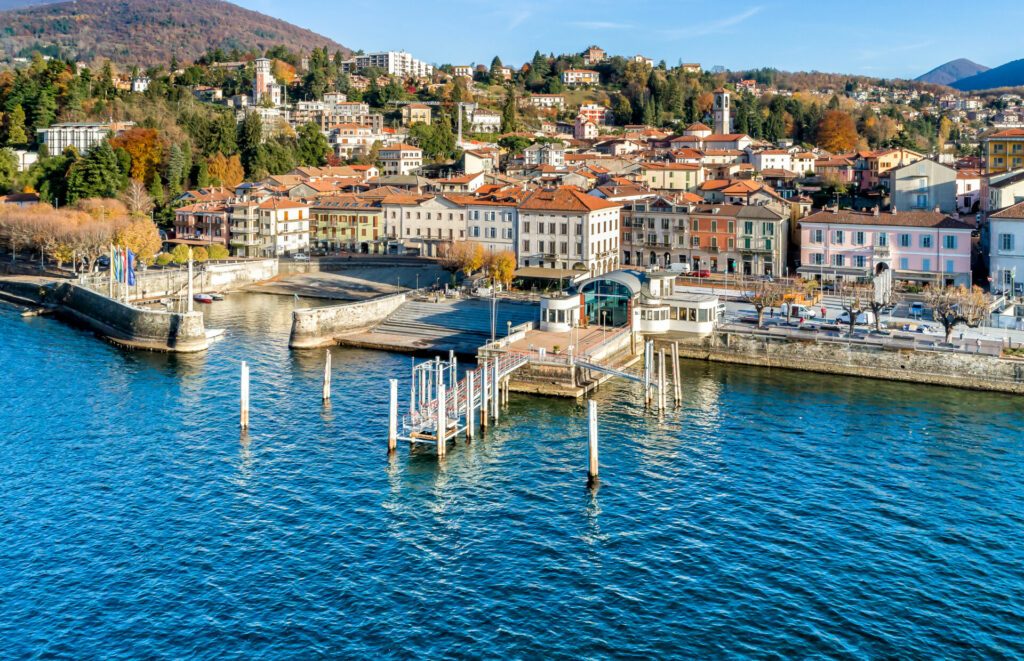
<point>519,18</point>
<point>714,27</point>
<point>602,25</point>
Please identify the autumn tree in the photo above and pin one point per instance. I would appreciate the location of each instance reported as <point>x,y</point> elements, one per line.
<point>180,253</point>
<point>762,294</point>
<point>473,258</point>
<point>952,306</point>
<point>837,132</point>
<point>503,267</point>
<point>226,170</point>
<point>217,251</point>
<point>145,148</point>
<point>141,236</point>
<point>14,127</point>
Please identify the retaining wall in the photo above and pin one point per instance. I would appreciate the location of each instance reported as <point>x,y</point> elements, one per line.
<point>212,276</point>
<point>317,327</point>
<point>946,368</point>
<point>136,328</point>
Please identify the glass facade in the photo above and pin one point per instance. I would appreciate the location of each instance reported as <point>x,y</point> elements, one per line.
<point>606,302</point>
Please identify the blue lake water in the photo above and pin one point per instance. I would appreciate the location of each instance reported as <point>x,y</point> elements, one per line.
<point>777,514</point>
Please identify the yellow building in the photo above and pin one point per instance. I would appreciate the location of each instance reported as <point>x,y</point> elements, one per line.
<point>415,113</point>
<point>347,222</point>
<point>1004,151</point>
<point>672,176</point>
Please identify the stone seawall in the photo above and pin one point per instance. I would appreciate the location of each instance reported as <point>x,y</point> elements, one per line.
<point>317,327</point>
<point>945,368</point>
<point>209,277</point>
<point>136,328</point>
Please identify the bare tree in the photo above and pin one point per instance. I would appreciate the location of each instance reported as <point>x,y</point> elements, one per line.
<point>855,298</point>
<point>137,199</point>
<point>885,296</point>
<point>762,294</point>
<point>952,306</point>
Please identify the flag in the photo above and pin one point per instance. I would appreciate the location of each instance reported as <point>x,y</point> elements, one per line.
<point>117,265</point>
<point>130,266</point>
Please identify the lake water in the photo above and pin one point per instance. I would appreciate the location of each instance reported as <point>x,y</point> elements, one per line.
<point>776,514</point>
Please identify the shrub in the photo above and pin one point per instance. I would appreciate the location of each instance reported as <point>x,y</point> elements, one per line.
<point>200,254</point>
<point>180,254</point>
<point>163,259</point>
<point>217,251</point>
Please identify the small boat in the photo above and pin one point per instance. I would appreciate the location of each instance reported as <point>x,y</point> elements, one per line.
<point>214,333</point>
<point>217,297</point>
<point>203,298</point>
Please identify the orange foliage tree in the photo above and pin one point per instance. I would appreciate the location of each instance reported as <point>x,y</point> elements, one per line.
<point>226,170</point>
<point>145,148</point>
<point>837,132</point>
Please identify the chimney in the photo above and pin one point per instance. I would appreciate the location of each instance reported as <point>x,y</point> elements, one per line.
<point>893,210</point>
<point>835,209</point>
<point>875,212</point>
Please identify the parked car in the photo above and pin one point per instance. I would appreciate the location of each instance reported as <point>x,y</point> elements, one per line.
<point>702,273</point>
<point>863,318</point>
<point>797,311</point>
<point>916,310</point>
<point>679,267</point>
<point>300,257</point>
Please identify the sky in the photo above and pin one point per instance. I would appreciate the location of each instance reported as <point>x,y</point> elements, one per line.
<point>886,38</point>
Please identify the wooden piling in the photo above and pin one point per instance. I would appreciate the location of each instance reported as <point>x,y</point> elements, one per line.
<point>327,377</point>
<point>442,420</point>
<point>470,423</point>
<point>484,412</point>
<point>244,417</point>
<point>592,469</point>
<point>393,417</point>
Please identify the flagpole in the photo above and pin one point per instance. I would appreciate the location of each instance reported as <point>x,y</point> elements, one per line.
<point>110,286</point>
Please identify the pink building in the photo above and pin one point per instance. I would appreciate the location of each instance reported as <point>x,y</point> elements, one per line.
<point>924,247</point>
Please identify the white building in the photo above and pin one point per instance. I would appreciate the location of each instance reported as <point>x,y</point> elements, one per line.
<point>578,77</point>
<point>492,222</point>
<point>264,87</point>
<point>284,227</point>
<point>772,159</point>
<point>564,228</point>
<point>1006,248</point>
<point>545,101</point>
<point>140,84</point>
<point>83,136</point>
<point>393,63</point>
<point>485,121</point>
<point>549,153</point>
<point>423,223</point>
<point>400,159</point>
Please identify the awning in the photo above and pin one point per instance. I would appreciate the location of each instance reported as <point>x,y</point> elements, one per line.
<point>542,273</point>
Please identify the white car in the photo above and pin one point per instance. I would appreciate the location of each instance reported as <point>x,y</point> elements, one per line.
<point>863,318</point>
<point>301,257</point>
<point>679,267</point>
<point>797,311</point>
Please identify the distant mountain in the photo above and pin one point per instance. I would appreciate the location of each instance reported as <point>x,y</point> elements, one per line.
<point>952,71</point>
<point>1010,74</point>
<point>146,32</point>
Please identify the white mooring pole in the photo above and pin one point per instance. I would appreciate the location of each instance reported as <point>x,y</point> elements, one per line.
<point>469,406</point>
<point>661,382</point>
<point>677,377</point>
<point>393,417</point>
<point>495,384</point>
<point>484,412</point>
<point>592,469</point>
<point>327,377</point>
<point>244,418</point>
<point>442,420</point>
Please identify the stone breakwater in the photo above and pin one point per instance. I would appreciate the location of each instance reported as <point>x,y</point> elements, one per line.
<point>318,327</point>
<point>933,367</point>
<point>136,328</point>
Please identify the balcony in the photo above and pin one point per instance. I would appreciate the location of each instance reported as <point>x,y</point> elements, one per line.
<point>244,229</point>
<point>882,252</point>
<point>247,242</point>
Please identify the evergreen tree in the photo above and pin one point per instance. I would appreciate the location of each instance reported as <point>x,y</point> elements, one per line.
<point>14,127</point>
<point>509,118</point>
<point>312,147</point>
<point>45,109</point>
<point>176,170</point>
<point>98,174</point>
<point>201,174</point>
<point>250,138</point>
<point>495,72</point>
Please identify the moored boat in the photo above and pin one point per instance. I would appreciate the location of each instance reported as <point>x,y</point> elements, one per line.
<point>202,298</point>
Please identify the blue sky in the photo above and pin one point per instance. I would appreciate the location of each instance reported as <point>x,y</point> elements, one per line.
<point>873,37</point>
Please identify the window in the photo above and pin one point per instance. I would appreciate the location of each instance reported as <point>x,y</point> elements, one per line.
<point>904,264</point>
<point>858,261</point>
<point>768,229</point>
<point>838,260</point>
<point>926,241</point>
<point>526,246</point>
<point>526,226</point>
<point>904,240</point>
<point>817,259</point>
<point>1006,242</point>
<point>949,266</point>
<point>696,242</point>
<point>695,225</point>
<point>817,236</point>
<point>838,236</point>
<point>748,227</point>
<point>858,238</point>
<point>926,264</point>
<point>949,242</point>
<point>883,239</point>
<point>714,225</point>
